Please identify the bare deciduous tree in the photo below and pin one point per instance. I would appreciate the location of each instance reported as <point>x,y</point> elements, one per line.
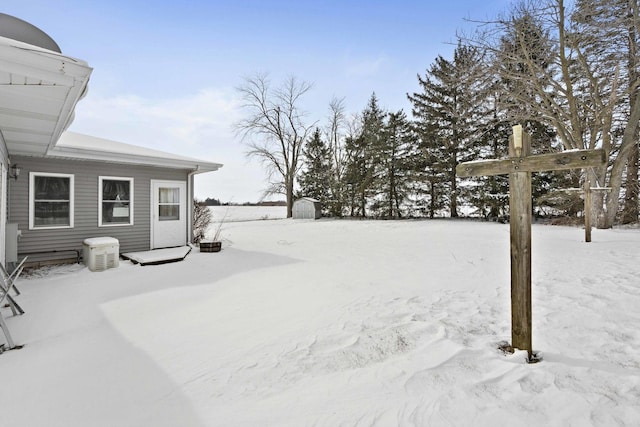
<point>275,130</point>
<point>576,68</point>
<point>335,134</point>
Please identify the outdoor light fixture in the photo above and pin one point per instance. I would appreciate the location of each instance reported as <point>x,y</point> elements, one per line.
<point>517,139</point>
<point>15,172</point>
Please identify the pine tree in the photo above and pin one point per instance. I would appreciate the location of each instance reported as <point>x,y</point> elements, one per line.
<point>430,179</point>
<point>447,111</point>
<point>396,159</point>
<point>362,153</point>
<point>358,174</point>
<point>315,180</point>
<point>490,194</point>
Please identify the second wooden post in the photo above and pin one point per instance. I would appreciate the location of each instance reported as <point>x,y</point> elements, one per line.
<point>587,209</point>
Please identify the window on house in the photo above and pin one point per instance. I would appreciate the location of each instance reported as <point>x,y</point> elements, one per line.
<point>115,204</point>
<point>50,200</point>
<point>168,204</point>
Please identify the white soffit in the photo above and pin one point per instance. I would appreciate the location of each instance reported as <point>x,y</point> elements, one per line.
<point>78,146</point>
<point>39,90</point>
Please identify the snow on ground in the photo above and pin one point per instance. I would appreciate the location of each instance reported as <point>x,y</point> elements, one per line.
<point>332,323</point>
<point>246,213</point>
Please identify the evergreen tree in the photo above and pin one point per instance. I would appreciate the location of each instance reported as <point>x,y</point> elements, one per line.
<point>362,153</point>
<point>353,172</point>
<point>315,180</point>
<point>429,185</point>
<point>358,174</point>
<point>447,111</point>
<point>396,159</point>
<point>490,195</point>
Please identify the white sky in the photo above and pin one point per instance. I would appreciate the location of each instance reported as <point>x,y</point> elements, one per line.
<point>165,72</point>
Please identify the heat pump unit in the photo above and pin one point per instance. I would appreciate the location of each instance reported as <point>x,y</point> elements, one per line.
<point>100,253</point>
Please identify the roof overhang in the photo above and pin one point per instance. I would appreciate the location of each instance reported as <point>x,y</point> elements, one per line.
<point>76,146</point>
<point>39,89</point>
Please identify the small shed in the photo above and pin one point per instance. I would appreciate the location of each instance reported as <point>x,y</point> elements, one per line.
<point>307,208</point>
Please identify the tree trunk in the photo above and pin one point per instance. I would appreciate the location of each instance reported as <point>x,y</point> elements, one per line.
<point>453,202</point>
<point>630,211</point>
<point>613,196</point>
<point>629,142</point>
<point>289,195</point>
<point>432,200</point>
<point>391,193</point>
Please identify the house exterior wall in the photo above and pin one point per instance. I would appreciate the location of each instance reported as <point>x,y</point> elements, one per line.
<point>86,174</point>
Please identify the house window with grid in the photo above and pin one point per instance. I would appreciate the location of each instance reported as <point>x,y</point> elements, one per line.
<point>115,205</point>
<point>169,204</point>
<point>50,200</point>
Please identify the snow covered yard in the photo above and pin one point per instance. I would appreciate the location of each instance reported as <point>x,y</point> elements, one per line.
<point>330,322</point>
<point>235,213</point>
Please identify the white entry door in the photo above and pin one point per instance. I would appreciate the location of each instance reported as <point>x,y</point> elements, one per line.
<point>168,214</point>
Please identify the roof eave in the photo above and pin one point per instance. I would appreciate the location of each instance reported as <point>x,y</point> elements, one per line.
<point>54,70</point>
<point>125,158</point>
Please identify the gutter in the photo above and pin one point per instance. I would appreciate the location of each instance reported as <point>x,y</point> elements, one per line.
<point>76,92</point>
<point>190,196</point>
<point>74,153</point>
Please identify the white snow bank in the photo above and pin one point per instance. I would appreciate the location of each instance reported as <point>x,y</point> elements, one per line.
<point>333,323</point>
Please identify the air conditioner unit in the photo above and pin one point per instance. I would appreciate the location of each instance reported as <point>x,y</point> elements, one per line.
<point>100,253</point>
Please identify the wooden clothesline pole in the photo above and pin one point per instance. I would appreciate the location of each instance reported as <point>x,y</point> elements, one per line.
<point>519,166</point>
<point>587,210</point>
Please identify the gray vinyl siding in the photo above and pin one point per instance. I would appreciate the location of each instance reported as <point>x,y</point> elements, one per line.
<point>134,237</point>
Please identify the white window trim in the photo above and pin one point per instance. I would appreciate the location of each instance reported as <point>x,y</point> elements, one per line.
<point>115,178</point>
<point>32,177</point>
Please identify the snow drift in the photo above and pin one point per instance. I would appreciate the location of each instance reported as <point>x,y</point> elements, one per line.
<point>334,322</point>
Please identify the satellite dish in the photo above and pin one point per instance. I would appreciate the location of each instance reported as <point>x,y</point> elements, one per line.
<point>17,29</point>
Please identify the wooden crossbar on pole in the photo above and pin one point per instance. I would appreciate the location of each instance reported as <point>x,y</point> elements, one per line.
<point>542,162</point>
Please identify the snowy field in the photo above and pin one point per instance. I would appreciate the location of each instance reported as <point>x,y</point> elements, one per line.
<point>247,213</point>
<point>334,323</point>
